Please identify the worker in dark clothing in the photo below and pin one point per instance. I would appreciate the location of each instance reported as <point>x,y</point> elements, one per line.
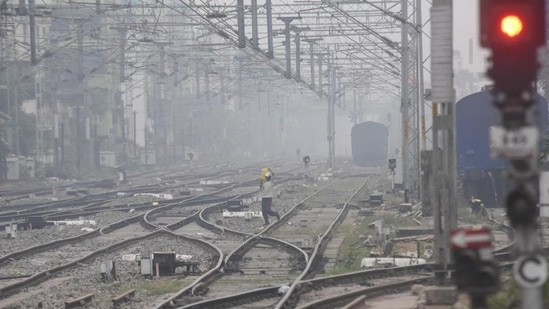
<point>267,193</point>
<point>476,204</point>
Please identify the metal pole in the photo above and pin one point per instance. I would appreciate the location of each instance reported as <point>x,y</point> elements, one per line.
<point>297,55</point>
<point>297,31</point>
<point>331,116</point>
<point>288,56</point>
<point>146,116</point>
<point>135,134</point>
<point>255,32</point>
<point>56,138</point>
<point>320,55</point>
<point>320,75</point>
<point>161,115</point>
<point>287,21</point>
<point>420,77</point>
<point>16,116</point>
<point>80,77</point>
<point>240,18</point>
<point>197,79</point>
<point>269,9</point>
<point>404,97</point>
<point>312,57</point>
<point>123,34</point>
<point>355,118</point>
<point>240,60</point>
<point>9,102</point>
<point>32,32</point>
<point>176,95</point>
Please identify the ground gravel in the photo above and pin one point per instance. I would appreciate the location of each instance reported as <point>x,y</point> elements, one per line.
<point>87,279</point>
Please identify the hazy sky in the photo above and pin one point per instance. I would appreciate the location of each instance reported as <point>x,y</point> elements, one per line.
<point>466,22</point>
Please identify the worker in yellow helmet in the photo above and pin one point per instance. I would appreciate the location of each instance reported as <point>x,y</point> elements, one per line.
<point>263,177</point>
<point>476,205</point>
<point>267,193</point>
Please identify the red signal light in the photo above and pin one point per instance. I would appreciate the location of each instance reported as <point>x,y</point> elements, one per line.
<point>511,25</point>
<point>516,24</point>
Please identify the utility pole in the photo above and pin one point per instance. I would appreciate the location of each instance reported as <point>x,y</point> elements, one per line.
<point>320,56</point>
<point>124,128</point>
<point>80,77</point>
<point>7,57</point>
<point>287,20</point>
<point>268,7</point>
<point>32,32</point>
<point>197,78</point>
<point>419,78</point>
<point>355,117</point>
<point>135,134</point>
<point>146,116</point>
<point>255,31</point>
<point>405,103</point>
<point>176,97</point>
<point>162,117</point>
<point>16,128</point>
<point>443,185</point>
<point>312,57</point>
<point>331,116</point>
<point>240,19</point>
<point>297,31</point>
<point>240,60</point>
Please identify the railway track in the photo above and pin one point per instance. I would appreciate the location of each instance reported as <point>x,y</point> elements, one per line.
<point>355,293</point>
<point>271,296</point>
<point>92,203</point>
<point>11,289</point>
<point>180,219</point>
<point>234,262</point>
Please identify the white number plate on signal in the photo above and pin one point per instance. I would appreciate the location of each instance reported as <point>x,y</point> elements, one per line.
<point>513,144</point>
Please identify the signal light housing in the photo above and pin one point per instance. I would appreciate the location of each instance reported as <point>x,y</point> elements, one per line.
<point>521,206</point>
<point>474,275</point>
<point>392,164</point>
<point>511,23</point>
<point>465,264</point>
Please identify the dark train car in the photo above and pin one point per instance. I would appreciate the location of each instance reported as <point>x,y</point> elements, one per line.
<point>369,141</point>
<point>480,175</point>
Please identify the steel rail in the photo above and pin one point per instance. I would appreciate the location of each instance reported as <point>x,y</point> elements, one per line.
<point>250,243</point>
<point>201,283</point>
<point>369,292</point>
<point>355,277</point>
<point>42,276</point>
<point>319,249</point>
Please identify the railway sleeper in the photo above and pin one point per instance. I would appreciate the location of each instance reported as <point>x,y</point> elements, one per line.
<point>80,301</point>
<point>124,297</point>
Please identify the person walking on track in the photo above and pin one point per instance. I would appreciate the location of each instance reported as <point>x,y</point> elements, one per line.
<point>267,193</point>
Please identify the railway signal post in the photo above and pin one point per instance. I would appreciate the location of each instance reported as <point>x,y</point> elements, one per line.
<point>476,271</point>
<point>306,160</point>
<point>442,185</point>
<point>392,167</point>
<point>513,31</point>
